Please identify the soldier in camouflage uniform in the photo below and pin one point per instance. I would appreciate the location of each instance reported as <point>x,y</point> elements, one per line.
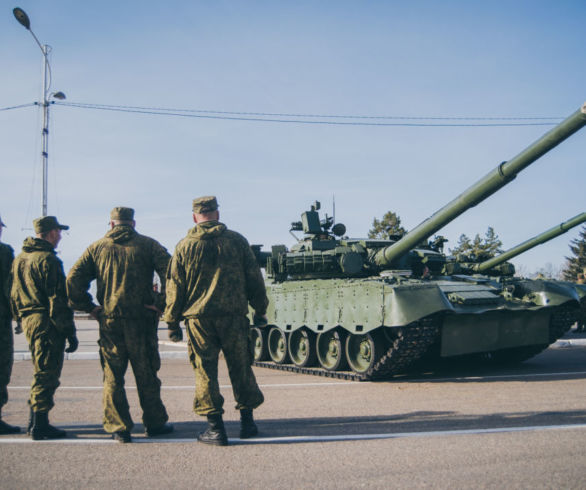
<point>6,338</point>
<point>39,302</point>
<point>212,277</point>
<point>123,263</point>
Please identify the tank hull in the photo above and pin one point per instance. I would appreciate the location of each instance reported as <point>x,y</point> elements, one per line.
<point>377,328</point>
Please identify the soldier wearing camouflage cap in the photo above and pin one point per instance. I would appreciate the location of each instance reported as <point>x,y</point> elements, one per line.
<point>39,301</point>
<point>212,277</point>
<point>123,264</point>
<point>6,336</point>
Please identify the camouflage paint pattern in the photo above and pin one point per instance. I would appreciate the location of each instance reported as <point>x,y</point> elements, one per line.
<point>212,277</point>
<point>47,346</point>
<point>143,354</point>
<point>213,273</point>
<point>123,264</point>
<point>39,302</point>
<point>207,336</point>
<point>38,285</point>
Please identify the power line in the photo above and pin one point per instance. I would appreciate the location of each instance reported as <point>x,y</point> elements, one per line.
<point>17,106</point>
<point>276,114</point>
<point>322,119</point>
<point>271,117</point>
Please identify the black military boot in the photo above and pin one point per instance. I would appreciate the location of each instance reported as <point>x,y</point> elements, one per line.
<point>215,433</point>
<point>122,436</point>
<point>160,430</point>
<point>7,428</point>
<point>43,430</point>
<point>247,426</point>
<point>30,421</point>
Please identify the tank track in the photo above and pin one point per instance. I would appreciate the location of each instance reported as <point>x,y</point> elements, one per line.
<point>561,321</point>
<point>409,345</point>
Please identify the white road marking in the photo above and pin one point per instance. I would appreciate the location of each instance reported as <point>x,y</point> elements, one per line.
<point>344,383</point>
<point>303,439</point>
<point>192,387</point>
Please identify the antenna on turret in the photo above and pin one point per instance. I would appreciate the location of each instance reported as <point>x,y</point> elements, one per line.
<point>334,207</point>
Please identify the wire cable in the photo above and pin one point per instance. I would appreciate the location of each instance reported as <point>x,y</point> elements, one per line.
<point>278,117</point>
<point>18,106</point>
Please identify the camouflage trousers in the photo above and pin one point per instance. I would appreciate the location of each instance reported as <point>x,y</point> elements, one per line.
<point>47,346</point>
<point>124,340</point>
<point>207,336</point>
<point>6,357</point>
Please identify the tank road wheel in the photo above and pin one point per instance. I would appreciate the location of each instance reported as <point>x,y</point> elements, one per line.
<point>258,339</point>
<point>363,351</point>
<point>302,347</point>
<point>277,343</point>
<point>330,350</point>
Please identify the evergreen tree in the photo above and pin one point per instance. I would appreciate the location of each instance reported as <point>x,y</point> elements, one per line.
<point>389,226</point>
<point>576,264</point>
<point>482,248</point>
<point>463,247</point>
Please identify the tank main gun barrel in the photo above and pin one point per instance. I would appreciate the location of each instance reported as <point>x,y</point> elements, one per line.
<point>532,242</point>
<point>485,187</point>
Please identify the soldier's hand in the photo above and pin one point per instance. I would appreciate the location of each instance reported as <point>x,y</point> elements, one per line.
<point>175,332</point>
<point>259,320</point>
<point>72,343</point>
<point>18,328</point>
<point>154,308</point>
<point>96,312</point>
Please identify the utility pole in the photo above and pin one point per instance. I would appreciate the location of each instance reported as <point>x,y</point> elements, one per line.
<point>24,20</point>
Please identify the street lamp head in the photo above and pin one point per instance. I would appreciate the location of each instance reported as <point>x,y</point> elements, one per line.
<point>21,17</point>
<point>59,96</point>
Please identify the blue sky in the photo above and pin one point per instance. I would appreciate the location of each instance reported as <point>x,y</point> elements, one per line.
<point>370,58</point>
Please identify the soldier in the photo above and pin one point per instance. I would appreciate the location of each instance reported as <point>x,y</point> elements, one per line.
<point>39,303</point>
<point>6,337</point>
<point>212,277</point>
<point>123,263</point>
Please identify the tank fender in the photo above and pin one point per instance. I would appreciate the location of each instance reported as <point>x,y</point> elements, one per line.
<point>547,293</point>
<point>407,304</point>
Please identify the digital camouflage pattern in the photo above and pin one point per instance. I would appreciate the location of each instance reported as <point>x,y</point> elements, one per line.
<point>38,285</point>
<point>212,277</point>
<point>39,301</point>
<point>123,264</point>
<point>143,354</point>
<point>47,347</point>
<point>207,336</point>
<point>213,273</point>
<point>6,336</point>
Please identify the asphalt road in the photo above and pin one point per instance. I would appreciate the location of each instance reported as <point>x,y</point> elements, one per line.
<point>460,427</point>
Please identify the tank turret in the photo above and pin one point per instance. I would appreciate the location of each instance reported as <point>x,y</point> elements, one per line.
<point>324,253</point>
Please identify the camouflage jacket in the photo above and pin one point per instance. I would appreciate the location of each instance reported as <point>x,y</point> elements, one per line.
<point>123,264</point>
<point>38,285</point>
<point>6,258</point>
<point>213,272</point>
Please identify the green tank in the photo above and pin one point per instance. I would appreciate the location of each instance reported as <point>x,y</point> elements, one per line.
<point>498,265</point>
<point>370,309</point>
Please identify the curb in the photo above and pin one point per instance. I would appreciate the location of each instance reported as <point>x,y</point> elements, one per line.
<point>182,354</point>
<point>92,356</point>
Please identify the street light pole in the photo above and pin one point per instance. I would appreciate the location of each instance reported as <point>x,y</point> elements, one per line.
<point>24,20</point>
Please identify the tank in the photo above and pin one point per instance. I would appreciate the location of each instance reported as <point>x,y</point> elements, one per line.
<point>370,309</point>
<point>498,265</point>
